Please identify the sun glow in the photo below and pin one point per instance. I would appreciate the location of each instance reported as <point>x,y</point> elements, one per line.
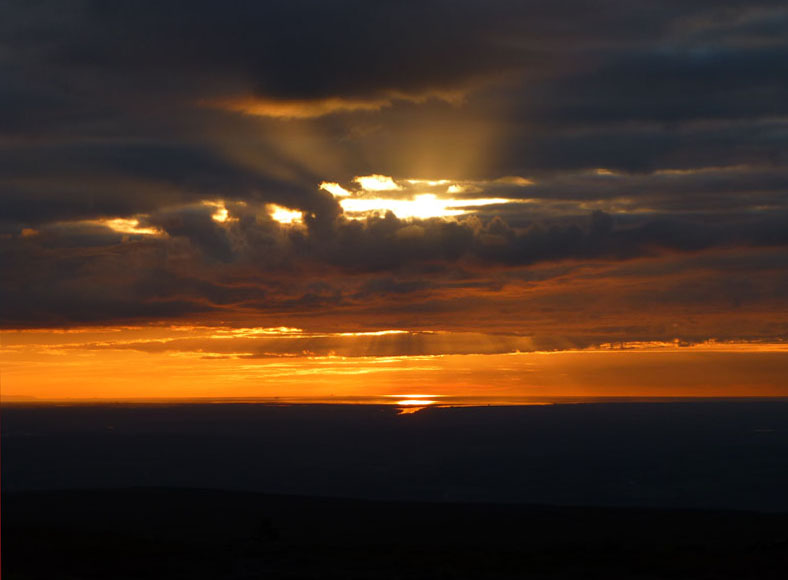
<point>335,189</point>
<point>377,183</point>
<point>407,199</point>
<point>414,403</point>
<point>127,226</point>
<point>423,206</point>
<point>285,215</point>
<point>372,333</point>
<point>221,215</point>
<point>428,182</point>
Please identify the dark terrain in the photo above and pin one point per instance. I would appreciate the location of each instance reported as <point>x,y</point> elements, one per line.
<point>159,533</point>
<point>674,490</point>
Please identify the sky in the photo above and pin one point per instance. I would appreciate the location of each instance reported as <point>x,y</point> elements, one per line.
<point>346,198</point>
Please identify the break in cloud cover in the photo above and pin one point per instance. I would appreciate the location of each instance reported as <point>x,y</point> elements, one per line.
<point>485,177</point>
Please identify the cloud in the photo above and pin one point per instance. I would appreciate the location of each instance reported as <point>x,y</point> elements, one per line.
<point>319,107</point>
<point>404,270</point>
<point>614,136</point>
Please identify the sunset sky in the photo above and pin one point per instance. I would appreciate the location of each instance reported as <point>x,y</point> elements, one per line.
<point>369,198</point>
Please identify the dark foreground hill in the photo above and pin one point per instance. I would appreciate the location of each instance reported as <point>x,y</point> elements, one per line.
<point>177,533</point>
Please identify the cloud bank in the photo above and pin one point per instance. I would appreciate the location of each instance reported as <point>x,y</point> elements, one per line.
<point>637,153</point>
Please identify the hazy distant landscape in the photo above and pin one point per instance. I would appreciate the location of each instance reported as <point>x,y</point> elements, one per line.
<point>636,490</point>
<point>718,454</point>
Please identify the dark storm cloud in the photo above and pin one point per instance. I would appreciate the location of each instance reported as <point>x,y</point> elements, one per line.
<point>298,49</point>
<point>671,86</point>
<point>82,181</point>
<point>388,243</point>
<point>647,149</point>
<point>129,110</point>
<point>256,266</point>
<point>199,228</point>
<point>567,67</point>
<point>282,49</point>
<point>313,49</point>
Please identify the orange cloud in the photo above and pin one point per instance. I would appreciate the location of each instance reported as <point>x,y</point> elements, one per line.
<point>320,107</point>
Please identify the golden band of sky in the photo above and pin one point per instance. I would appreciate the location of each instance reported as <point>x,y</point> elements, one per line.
<point>186,362</point>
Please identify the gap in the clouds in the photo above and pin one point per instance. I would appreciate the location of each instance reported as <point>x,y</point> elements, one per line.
<point>375,195</point>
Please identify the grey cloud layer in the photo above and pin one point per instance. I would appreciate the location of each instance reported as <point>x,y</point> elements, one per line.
<point>110,110</point>
<point>254,267</point>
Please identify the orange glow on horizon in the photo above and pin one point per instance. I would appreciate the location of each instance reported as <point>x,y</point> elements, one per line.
<point>191,362</point>
<point>410,406</point>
